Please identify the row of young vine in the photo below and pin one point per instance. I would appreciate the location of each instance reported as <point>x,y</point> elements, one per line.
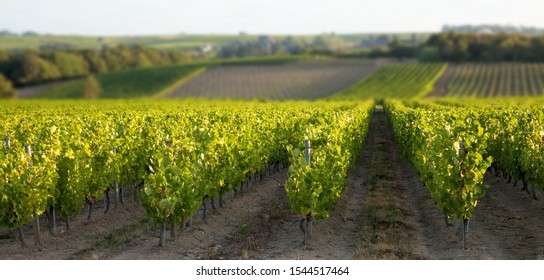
<point>452,145</point>
<point>318,169</point>
<point>60,156</point>
<point>497,80</point>
<point>399,80</point>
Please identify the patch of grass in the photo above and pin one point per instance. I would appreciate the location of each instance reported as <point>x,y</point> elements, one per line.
<point>108,241</point>
<point>383,235</point>
<point>114,239</point>
<point>254,230</point>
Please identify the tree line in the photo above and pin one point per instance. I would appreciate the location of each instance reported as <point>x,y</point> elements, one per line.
<point>462,47</point>
<point>30,67</point>
<point>482,47</point>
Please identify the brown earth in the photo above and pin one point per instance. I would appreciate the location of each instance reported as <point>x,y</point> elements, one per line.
<point>33,91</point>
<point>440,88</point>
<point>307,79</point>
<point>385,213</point>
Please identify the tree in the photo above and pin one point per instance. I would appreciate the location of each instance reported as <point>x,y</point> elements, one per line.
<point>398,50</point>
<point>322,42</point>
<point>178,57</point>
<point>29,68</point>
<point>70,65</point>
<point>141,61</point>
<point>91,88</point>
<point>4,60</point>
<point>146,56</point>
<point>460,47</point>
<point>113,62</point>
<point>6,89</point>
<point>94,60</point>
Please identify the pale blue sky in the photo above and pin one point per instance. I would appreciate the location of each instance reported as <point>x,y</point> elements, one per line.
<point>137,17</point>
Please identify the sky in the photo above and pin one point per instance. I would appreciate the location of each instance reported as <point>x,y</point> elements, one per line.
<point>141,17</point>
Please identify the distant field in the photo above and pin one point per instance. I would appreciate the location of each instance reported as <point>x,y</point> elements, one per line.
<point>177,41</point>
<point>96,42</point>
<point>147,82</point>
<point>491,80</point>
<point>304,77</point>
<point>308,79</point>
<point>400,80</point>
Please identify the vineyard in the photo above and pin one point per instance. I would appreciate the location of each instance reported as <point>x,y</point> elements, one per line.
<point>58,160</point>
<point>373,171</point>
<point>275,78</point>
<point>136,83</point>
<point>452,147</point>
<point>409,80</point>
<point>492,80</point>
<point>311,79</point>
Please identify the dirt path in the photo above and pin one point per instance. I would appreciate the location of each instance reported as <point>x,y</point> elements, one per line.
<point>33,91</point>
<point>385,213</point>
<point>84,235</point>
<point>275,232</point>
<point>507,223</point>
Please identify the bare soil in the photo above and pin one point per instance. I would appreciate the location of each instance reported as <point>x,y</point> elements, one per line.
<point>385,213</point>
<point>308,79</point>
<point>441,86</point>
<point>33,91</point>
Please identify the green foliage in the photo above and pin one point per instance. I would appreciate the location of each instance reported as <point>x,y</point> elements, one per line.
<point>6,88</point>
<point>448,146</point>
<point>336,134</point>
<point>71,89</point>
<point>182,151</point>
<point>91,88</point>
<point>410,80</point>
<point>134,83</point>
<point>70,65</point>
<point>28,182</point>
<point>95,61</point>
<point>460,47</point>
<point>142,82</point>
<point>496,80</point>
<point>30,68</point>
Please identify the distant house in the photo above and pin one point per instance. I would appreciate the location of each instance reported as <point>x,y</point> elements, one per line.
<point>485,31</point>
<point>204,49</point>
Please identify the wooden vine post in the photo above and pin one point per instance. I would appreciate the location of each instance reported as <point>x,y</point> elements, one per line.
<point>116,186</point>
<point>37,235</point>
<point>306,222</point>
<point>8,144</point>
<point>463,226</point>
